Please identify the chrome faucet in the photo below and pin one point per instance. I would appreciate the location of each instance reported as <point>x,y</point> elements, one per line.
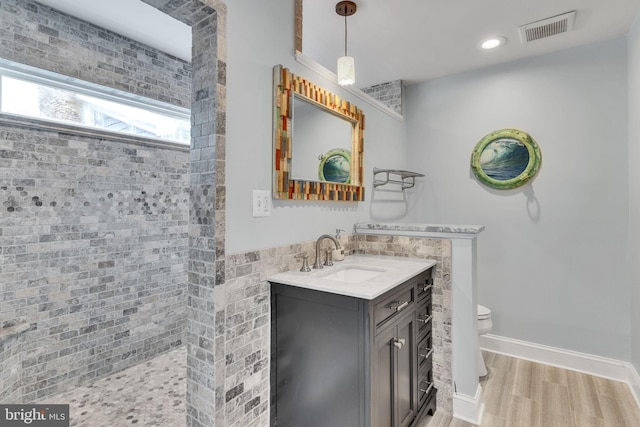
<point>318,263</point>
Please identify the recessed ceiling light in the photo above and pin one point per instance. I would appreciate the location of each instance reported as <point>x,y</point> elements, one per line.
<point>493,43</point>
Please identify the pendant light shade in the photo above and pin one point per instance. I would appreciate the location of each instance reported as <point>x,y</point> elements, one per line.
<point>346,69</point>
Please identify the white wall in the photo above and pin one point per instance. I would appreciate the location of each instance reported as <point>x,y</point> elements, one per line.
<point>259,36</point>
<point>634,189</point>
<point>551,263</point>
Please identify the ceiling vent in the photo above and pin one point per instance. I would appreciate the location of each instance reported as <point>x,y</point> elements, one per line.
<point>547,27</point>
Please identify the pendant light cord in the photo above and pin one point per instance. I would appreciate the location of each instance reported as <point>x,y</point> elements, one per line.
<point>345,35</point>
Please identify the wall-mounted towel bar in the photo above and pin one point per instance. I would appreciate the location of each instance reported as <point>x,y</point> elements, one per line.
<point>406,179</point>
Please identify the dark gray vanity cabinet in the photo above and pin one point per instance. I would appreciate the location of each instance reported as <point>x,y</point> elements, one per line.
<point>343,361</point>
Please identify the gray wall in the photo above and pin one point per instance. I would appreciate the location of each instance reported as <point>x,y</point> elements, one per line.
<point>259,36</point>
<point>552,261</point>
<point>634,190</point>
<point>93,230</point>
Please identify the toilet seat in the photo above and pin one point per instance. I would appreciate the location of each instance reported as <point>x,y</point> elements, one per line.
<point>483,312</point>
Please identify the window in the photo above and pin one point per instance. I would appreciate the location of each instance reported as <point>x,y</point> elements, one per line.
<point>61,99</point>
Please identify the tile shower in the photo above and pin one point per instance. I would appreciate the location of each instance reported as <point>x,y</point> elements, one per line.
<point>94,229</point>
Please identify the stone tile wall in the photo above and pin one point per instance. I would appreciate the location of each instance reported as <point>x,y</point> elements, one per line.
<point>206,220</point>
<point>12,335</point>
<point>206,261</point>
<point>42,37</point>
<point>439,250</point>
<point>389,94</point>
<point>298,12</point>
<point>94,240</point>
<point>243,332</point>
<point>93,229</point>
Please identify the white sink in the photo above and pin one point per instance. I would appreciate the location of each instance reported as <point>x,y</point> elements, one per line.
<point>352,274</point>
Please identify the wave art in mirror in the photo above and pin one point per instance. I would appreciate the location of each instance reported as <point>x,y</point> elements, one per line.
<point>318,142</point>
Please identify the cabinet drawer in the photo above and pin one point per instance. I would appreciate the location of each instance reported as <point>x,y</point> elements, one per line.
<point>425,352</point>
<point>425,285</point>
<point>390,307</point>
<point>425,387</point>
<point>425,317</point>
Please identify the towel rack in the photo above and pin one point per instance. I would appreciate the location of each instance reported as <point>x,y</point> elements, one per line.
<point>407,179</point>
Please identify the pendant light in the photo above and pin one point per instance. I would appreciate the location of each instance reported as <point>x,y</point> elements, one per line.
<point>346,64</point>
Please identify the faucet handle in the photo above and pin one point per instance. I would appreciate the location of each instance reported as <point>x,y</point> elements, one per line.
<point>328,260</point>
<point>338,230</point>
<point>305,263</point>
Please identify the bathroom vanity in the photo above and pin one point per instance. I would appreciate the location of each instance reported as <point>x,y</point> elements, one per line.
<point>351,344</point>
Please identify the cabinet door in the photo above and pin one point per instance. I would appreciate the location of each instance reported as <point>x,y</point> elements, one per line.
<point>384,379</point>
<point>396,398</point>
<point>317,349</point>
<point>406,365</point>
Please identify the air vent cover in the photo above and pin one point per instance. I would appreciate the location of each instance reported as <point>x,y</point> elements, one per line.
<point>547,27</point>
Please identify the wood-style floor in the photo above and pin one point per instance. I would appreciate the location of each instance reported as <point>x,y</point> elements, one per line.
<point>519,393</point>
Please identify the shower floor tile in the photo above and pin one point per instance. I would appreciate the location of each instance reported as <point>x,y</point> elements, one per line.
<point>149,394</point>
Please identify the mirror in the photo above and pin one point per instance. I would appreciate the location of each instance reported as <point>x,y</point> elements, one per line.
<point>322,143</point>
<point>317,142</point>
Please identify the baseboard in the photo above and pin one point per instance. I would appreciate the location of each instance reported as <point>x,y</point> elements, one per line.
<point>469,408</point>
<point>566,359</point>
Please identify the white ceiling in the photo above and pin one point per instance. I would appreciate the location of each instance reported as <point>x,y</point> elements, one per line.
<point>410,40</point>
<point>417,40</point>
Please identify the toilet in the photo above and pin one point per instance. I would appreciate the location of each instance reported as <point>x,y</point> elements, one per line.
<point>485,325</point>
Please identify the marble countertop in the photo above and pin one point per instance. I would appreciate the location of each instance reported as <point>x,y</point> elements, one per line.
<point>388,272</point>
<point>437,230</point>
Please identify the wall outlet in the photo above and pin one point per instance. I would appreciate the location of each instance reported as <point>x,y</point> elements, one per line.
<point>261,203</point>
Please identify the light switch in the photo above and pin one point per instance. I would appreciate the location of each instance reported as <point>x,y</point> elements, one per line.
<point>261,203</point>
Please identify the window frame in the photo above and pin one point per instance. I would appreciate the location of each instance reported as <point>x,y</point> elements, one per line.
<point>50,79</point>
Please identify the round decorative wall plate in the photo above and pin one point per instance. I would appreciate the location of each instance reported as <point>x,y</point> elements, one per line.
<point>506,159</point>
<point>335,166</point>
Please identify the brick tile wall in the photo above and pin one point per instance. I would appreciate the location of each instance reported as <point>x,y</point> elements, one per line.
<point>93,230</point>
<point>42,37</point>
<point>389,94</point>
<point>12,333</point>
<point>206,261</point>
<point>439,250</point>
<point>94,240</point>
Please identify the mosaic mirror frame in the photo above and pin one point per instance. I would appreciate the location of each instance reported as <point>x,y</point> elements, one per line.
<point>285,85</point>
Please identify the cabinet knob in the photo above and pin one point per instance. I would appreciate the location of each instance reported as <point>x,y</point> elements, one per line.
<point>426,288</point>
<point>399,343</point>
<point>397,306</point>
